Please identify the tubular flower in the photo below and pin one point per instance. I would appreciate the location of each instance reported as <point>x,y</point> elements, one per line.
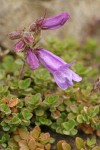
<point>28,40</point>
<point>32,59</point>
<point>59,68</point>
<point>51,23</point>
<point>19,46</point>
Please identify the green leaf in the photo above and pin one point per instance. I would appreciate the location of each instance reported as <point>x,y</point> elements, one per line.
<point>54,126</point>
<point>80,144</point>
<point>4,108</point>
<point>24,84</point>
<point>45,121</point>
<point>39,111</point>
<point>71,116</point>
<point>20,104</point>
<point>66,132</point>
<point>91,142</point>
<point>25,122</point>
<point>80,118</point>
<point>6,127</point>
<point>2,74</point>
<point>13,144</point>
<point>26,114</point>
<point>42,74</point>
<point>90,45</point>
<point>16,120</point>
<point>63,145</point>
<point>52,140</point>
<point>59,130</point>
<point>86,118</point>
<point>68,126</point>
<point>4,138</point>
<point>3,90</point>
<point>98,126</point>
<point>61,107</point>
<point>8,64</point>
<point>33,100</point>
<point>73,132</point>
<point>96,110</point>
<point>60,121</point>
<point>52,100</point>
<point>19,62</point>
<point>93,111</point>
<point>74,108</point>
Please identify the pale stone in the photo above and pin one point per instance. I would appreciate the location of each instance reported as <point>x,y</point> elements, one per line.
<point>17,14</point>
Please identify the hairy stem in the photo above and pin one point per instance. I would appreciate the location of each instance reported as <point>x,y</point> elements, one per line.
<point>21,71</point>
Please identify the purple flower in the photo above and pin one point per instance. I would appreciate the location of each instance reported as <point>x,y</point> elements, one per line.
<point>63,76</point>
<point>51,23</point>
<point>28,38</point>
<point>19,46</point>
<point>59,68</point>
<point>25,39</point>
<point>32,59</point>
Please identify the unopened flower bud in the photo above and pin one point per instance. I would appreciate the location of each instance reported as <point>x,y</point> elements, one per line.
<point>32,27</point>
<point>32,59</point>
<point>28,38</point>
<point>19,46</point>
<point>53,22</point>
<point>15,35</point>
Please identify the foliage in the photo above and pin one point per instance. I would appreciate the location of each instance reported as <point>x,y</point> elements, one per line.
<point>34,140</point>
<point>36,100</point>
<point>80,144</point>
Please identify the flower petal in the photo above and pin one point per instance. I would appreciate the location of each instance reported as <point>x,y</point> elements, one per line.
<point>32,60</point>
<point>18,47</point>
<point>61,82</point>
<point>54,22</point>
<point>59,68</point>
<point>49,60</point>
<point>63,77</point>
<point>76,77</point>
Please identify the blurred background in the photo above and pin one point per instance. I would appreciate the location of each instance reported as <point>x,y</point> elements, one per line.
<point>84,22</point>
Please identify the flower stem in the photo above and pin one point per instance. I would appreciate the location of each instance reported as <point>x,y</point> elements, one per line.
<point>21,71</point>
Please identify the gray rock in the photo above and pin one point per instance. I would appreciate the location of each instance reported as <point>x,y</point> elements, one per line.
<point>17,14</point>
